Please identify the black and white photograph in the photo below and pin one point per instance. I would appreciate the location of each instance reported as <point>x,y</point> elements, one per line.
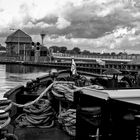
<point>69,69</point>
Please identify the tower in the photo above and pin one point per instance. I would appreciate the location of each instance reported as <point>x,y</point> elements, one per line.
<point>42,36</point>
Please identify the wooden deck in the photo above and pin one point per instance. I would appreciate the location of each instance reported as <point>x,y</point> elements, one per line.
<point>54,133</point>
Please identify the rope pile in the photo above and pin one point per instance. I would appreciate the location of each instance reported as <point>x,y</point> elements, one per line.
<point>39,114</point>
<point>67,119</point>
<point>63,91</point>
<point>36,100</point>
<point>64,88</point>
<point>67,116</point>
<point>5,106</point>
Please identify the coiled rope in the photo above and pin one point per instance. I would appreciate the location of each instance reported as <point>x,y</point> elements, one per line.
<point>60,92</point>
<point>37,114</point>
<point>75,88</point>
<point>37,99</point>
<point>5,106</point>
<point>40,114</point>
<point>41,95</point>
<point>68,121</point>
<point>43,117</point>
<point>67,117</point>
<point>5,122</point>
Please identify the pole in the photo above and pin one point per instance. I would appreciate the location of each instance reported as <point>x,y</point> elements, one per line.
<point>50,55</point>
<point>18,43</point>
<point>24,53</point>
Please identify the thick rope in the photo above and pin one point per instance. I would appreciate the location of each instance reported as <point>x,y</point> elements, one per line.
<point>46,120</point>
<point>50,86</point>
<point>41,95</point>
<point>67,118</point>
<point>5,123</point>
<point>63,91</point>
<point>37,99</point>
<point>5,106</point>
<point>68,121</point>
<point>39,115</point>
<point>10,136</point>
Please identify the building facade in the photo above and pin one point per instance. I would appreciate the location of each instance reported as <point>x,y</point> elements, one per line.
<point>17,42</point>
<point>20,45</point>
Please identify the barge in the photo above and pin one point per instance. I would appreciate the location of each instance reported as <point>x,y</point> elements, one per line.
<point>66,106</point>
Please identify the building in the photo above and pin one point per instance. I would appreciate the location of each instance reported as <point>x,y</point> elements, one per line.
<point>20,45</point>
<point>40,53</point>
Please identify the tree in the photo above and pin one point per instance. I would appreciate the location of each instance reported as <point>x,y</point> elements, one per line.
<point>55,48</point>
<point>113,53</point>
<point>76,50</point>
<point>85,52</point>
<point>63,49</point>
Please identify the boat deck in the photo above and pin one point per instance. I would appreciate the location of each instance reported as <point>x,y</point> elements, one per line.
<point>54,133</point>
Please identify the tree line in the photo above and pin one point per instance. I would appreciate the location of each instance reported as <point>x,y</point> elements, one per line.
<point>76,50</point>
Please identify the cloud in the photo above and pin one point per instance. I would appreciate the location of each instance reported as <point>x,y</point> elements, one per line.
<point>104,24</point>
<point>62,23</point>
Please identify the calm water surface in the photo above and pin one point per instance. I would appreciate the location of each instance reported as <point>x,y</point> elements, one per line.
<point>14,75</point>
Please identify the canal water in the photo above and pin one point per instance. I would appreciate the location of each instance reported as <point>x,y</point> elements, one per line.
<point>12,75</point>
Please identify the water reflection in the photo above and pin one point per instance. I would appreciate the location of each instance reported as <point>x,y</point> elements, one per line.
<point>24,69</point>
<point>13,75</point>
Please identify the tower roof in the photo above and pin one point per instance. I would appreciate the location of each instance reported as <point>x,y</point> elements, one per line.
<point>18,36</point>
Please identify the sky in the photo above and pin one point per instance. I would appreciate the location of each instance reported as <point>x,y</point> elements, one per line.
<point>94,25</point>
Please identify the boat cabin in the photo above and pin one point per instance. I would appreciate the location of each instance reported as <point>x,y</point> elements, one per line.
<point>108,114</point>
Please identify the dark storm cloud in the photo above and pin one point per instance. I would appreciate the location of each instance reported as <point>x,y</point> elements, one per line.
<point>86,21</point>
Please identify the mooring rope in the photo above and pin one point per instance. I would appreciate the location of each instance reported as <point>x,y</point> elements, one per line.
<point>43,116</point>
<point>41,95</point>
<point>5,106</point>
<point>67,119</point>
<point>63,91</point>
<point>37,99</point>
<point>40,114</point>
<point>62,87</point>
